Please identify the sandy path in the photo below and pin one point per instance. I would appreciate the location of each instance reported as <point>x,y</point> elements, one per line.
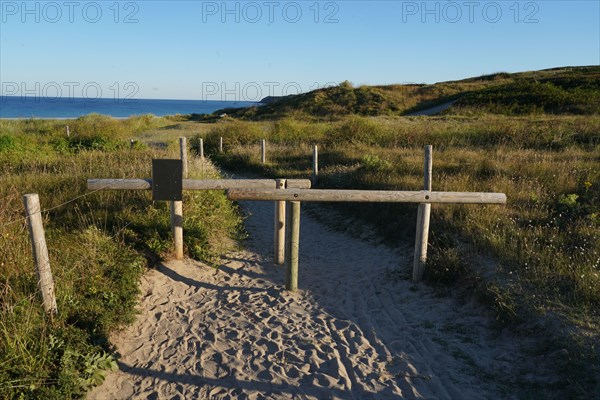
<point>354,330</point>
<point>432,110</point>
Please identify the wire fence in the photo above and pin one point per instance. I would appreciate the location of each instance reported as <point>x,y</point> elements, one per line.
<point>47,210</point>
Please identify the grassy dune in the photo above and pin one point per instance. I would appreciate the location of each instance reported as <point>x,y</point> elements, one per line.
<point>569,90</point>
<point>99,246</point>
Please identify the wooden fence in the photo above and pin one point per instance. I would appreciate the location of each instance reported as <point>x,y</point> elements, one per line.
<point>288,195</point>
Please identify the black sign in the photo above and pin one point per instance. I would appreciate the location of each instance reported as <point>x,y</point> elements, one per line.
<point>167,180</point>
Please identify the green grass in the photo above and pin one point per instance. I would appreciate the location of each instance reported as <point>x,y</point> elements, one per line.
<point>539,254</point>
<point>99,246</point>
<point>533,97</point>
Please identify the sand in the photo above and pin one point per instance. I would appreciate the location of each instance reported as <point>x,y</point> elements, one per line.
<point>432,110</point>
<point>356,329</point>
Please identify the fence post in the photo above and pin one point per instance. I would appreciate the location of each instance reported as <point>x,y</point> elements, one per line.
<point>315,165</point>
<point>279,245</point>
<point>423,216</point>
<point>40,252</point>
<point>68,131</point>
<point>292,245</point>
<point>201,149</point>
<point>263,151</point>
<point>177,227</point>
<point>221,144</point>
<point>183,155</point>
<point>177,206</point>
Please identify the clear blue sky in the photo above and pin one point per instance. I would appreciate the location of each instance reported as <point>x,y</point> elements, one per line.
<point>245,50</point>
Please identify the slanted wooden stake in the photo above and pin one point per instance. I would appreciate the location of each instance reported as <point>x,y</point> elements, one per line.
<point>183,153</point>
<point>279,241</point>
<point>177,227</point>
<point>315,165</point>
<point>40,252</point>
<point>221,144</point>
<point>292,245</point>
<point>263,151</point>
<point>423,216</point>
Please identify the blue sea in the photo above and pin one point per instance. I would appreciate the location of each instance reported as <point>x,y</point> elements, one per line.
<point>39,107</point>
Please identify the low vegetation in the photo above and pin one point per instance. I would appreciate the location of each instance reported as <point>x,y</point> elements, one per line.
<point>99,244</point>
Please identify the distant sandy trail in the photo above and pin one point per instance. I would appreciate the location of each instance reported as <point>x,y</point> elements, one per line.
<point>353,331</point>
<point>435,110</point>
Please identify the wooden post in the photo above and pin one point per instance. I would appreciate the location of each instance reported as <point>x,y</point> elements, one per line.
<point>201,149</point>
<point>68,131</point>
<point>40,252</point>
<point>183,153</point>
<point>423,216</point>
<point>177,227</point>
<point>263,151</point>
<point>292,245</point>
<point>221,144</point>
<point>279,240</point>
<point>177,206</point>
<point>315,165</point>
<point>131,144</point>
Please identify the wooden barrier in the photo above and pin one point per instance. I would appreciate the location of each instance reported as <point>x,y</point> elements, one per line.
<point>295,196</point>
<point>201,149</point>
<point>296,191</point>
<point>214,184</point>
<point>263,151</point>
<point>370,196</point>
<point>40,252</point>
<point>220,144</point>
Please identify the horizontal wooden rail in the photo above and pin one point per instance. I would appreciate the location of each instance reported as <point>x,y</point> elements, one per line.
<point>375,196</point>
<point>119,184</point>
<point>193,184</point>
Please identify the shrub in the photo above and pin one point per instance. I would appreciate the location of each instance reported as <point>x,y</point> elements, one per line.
<point>7,142</point>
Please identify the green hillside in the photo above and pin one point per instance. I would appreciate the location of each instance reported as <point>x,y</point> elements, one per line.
<point>568,90</point>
